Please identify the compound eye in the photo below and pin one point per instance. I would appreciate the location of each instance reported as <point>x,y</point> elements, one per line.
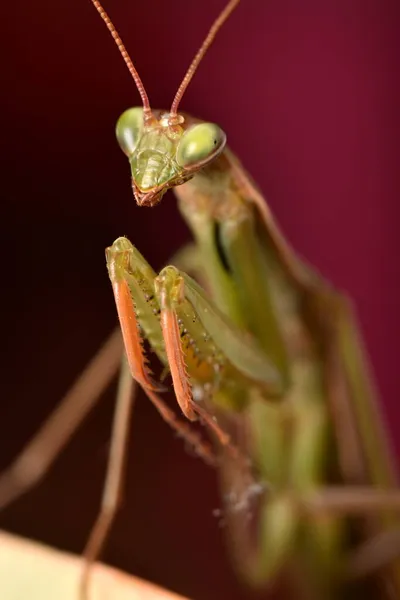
<point>129,129</point>
<point>200,144</point>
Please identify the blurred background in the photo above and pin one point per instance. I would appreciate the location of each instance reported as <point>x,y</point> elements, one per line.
<point>309,97</point>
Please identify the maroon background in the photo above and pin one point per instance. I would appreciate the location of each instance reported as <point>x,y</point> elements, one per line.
<point>309,99</point>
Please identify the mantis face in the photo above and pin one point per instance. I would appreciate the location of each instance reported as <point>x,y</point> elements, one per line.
<point>165,150</point>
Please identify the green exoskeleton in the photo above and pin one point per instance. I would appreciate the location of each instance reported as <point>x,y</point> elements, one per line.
<point>266,354</point>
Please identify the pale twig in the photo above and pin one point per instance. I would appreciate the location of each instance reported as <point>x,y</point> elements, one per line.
<point>38,572</point>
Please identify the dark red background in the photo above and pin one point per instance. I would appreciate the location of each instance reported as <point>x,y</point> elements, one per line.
<point>309,99</point>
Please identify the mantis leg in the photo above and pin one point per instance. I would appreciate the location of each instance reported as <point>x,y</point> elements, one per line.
<point>133,285</point>
<point>114,478</point>
<point>34,461</point>
<point>185,309</point>
<point>374,554</point>
<point>173,345</point>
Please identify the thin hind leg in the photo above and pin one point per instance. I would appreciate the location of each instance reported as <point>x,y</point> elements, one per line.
<point>376,553</point>
<point>380,549</point>
<point>112,490</point>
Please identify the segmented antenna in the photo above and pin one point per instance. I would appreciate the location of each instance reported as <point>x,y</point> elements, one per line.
<point>219,21</point>
<point>125,56</point>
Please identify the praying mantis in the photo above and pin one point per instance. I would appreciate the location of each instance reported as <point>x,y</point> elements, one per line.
<point>260,377</point>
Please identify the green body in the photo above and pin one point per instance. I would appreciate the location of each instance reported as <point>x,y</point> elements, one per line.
<point>270,351</point>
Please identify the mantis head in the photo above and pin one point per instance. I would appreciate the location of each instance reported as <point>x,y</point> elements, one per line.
<point>164,149</point>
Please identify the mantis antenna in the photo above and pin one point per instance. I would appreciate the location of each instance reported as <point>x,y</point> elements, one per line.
<point>125,56</point>
<point>215,27</point>
<point>219,21</point>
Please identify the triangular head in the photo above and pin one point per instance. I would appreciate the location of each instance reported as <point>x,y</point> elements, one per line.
<point>165,150</point>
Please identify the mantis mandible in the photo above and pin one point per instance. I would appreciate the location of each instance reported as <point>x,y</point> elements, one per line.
<point>267,357</point>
